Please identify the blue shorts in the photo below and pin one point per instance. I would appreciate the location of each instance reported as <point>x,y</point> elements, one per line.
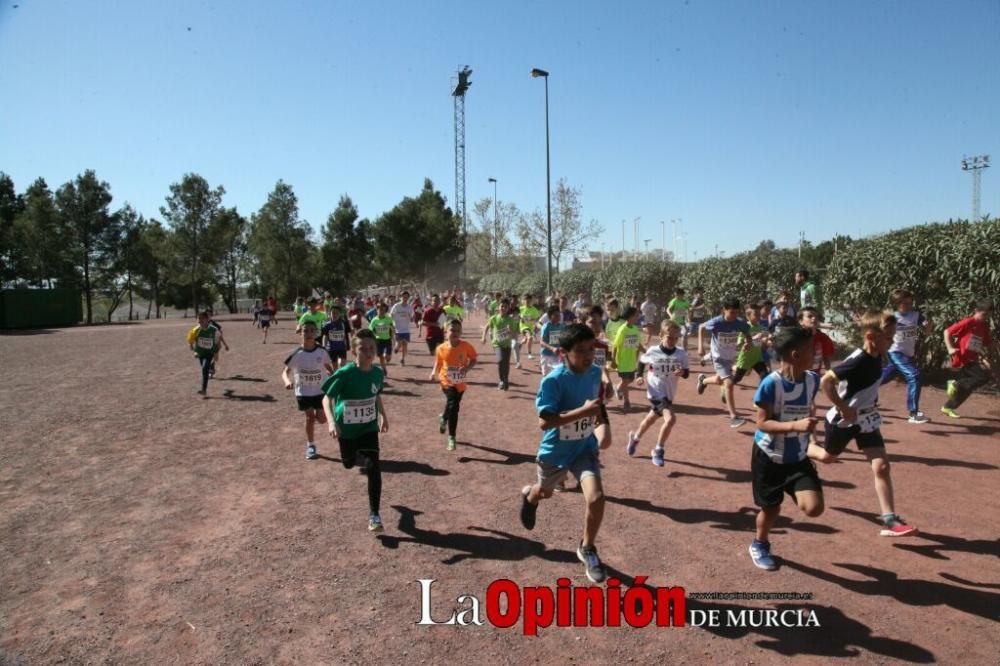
<point>402,337</point>
<point>383,347</point>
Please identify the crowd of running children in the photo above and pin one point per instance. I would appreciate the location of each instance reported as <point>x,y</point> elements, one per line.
<point>580,345</point>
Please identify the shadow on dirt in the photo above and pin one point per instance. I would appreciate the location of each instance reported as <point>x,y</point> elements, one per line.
<point>909,591</point>
<point>507,457</point>
<point>241,378</point>
<point>479,544</point>
<point>230,394</point>
<point>837,636</point>
<point>399,466</point>
<point>743,520</point>
<point>738,475</point>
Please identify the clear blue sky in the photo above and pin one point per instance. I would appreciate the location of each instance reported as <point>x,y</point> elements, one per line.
<point>747,120</point>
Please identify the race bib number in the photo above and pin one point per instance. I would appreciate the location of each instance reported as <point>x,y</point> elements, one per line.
<point>577,430</point>
<point>600,357</point>
<point>336,336</point>
<point>264,316</point>
<point>664,370</point>
<point>205,343</point>
<point>310,377</point>
<point>975,344</point>
<point>381,330</point>
<point>455,374</point>
<point>359,411</point>
<point>728,340</point>
<point>631,341</point>
<point>502,334</point>
<point>794,412</point>
<point>869,419</point>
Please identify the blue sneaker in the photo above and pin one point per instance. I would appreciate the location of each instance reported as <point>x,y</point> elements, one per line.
<point>311,452</point>
<point>633,441</point>
<point>658,457</point>
<point>760,553</point>
<point>374,523</point>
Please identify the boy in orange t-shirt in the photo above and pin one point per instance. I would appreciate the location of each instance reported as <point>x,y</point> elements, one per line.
<point>452,361</point>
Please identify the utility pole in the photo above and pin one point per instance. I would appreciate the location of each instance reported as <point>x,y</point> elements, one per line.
<point>802,240</point>
<point>975,166</point>
<point>459,95</point>
<point>635,238</point>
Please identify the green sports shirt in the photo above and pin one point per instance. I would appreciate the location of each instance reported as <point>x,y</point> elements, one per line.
<point>747,359</point>
<point>529,315</point>
<point>382,327</point>
<point>319,318</point>
<point>502,330</point>
<point>626,348</point>
<point>354,393</point>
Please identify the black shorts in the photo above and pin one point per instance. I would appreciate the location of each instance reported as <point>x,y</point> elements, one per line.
<point>659,404</point>
<point>739,373</point>
<point>772,480</point>
<point>383,347</point>
<point>337,353</point>
<point>359,450</point>
<point>838,438</point>
<point>310,402</point>
<point>265,323</point>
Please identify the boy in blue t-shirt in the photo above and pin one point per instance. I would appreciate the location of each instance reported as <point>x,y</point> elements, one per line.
<point>725,329</point>
<point>337,337</point>
<point>553,328</point>
<point>572,413</point>
<point>786,422</point>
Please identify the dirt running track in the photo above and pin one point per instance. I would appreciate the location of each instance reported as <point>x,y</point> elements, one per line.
<point>142,524</point>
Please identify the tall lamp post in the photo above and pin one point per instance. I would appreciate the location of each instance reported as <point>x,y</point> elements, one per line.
<point>548,183</point>
<point>496,225</point>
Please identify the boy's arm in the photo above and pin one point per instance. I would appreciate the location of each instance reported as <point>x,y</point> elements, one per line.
<point>949,343</point>
<point>829,387</point>
<point>548,420</point>
<point>767,423</point>
<point>285,378</point>
<point>701,340</point>
<point>328,410</point>
<point>436,369</point>
<point>383,418</point>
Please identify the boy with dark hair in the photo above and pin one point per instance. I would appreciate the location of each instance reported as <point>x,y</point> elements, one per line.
<point>973,336</point>
<point>336,337</point>
<point>549,341</point>
<point>501,327</point>
<point>384,327</point>
<point>352,404</point>
<point>677,310</point>
<point>529,320</point>
<point>909,323</point>
<point>807,290</point>
<point>786,421</point>
<point>204,340</point>
<point>572,415</point>
<point>625,350</point>
<point>432,319</point>
<point>852,387</point>
<point>595,320</point>
<point>822,344</point>
<point>752,357</point>
<point>309,366</point>
<point>452,361</point>
<point>726,330</point>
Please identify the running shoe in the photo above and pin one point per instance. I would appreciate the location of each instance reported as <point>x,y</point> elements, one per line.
<point>591,563</point>
<point>375,523</point>
<point>952,388</point>
<point>701,383</point>
<point>658,457</point>
<point>499,386</point>
<point>528,510</point>
<point>452,443</point>
<point>441,424</point>
<point>531,357</point>
<point>518,365</point>
<point>311,452</point>
<point>736,422</point>
<point>633,442</point>
<point>760,553</point>
<point>950,412</point>
<point>917,417</point>
<point>895,526</point>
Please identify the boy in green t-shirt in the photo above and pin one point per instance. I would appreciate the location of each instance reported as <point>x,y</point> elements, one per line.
<point>615,320</point>
<point>314,314</point>
<point>625,350</point>
<point>752,357</point>
<point>677,310</point>
<point>454,311</point>
<point>204,340</point>
<point>384,328</point>
<point>501,328</point>
<point>529,320</point>
<point>353,407</point>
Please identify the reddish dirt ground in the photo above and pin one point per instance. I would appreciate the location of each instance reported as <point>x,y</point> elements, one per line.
<point>142,524</point>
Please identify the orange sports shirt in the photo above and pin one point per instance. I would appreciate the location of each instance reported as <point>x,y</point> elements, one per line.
<point>453,361</point>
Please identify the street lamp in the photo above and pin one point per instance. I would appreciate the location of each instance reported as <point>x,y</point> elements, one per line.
<point>663,241</point>
<point>548,182</point>
<point>496,224</point>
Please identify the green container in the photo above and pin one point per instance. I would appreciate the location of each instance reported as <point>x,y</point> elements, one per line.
<point>38,308</point>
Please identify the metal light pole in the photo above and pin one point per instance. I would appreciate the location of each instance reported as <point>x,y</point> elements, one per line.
<point>496,225</point>
<point>663,240</point>
<point>548,183</point>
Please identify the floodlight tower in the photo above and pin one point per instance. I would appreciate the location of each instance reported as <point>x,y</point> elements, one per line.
<point>975,165</point>
<point>459,94</point>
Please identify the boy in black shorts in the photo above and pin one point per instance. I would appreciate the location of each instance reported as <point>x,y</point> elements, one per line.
<point>855,414</point>
<point>353,407</point>
<point>305,369</point>
<point>782,444</point>
<point>337,336</point>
